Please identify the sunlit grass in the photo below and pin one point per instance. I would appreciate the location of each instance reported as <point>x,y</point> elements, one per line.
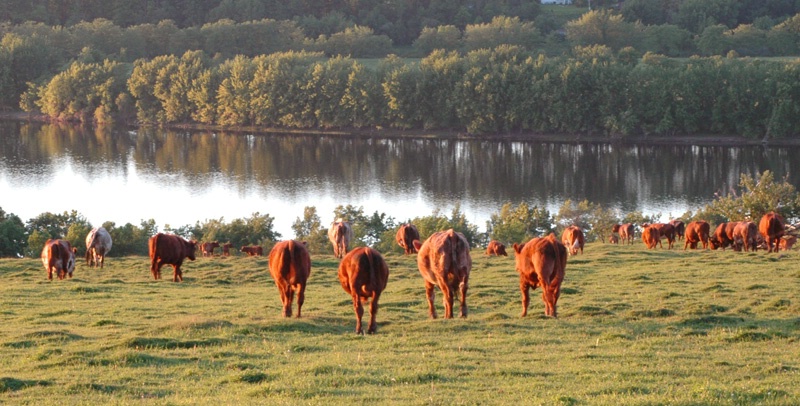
<point>635,327</point>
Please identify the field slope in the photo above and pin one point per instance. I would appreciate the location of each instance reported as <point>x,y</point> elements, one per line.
<point>635,327</point>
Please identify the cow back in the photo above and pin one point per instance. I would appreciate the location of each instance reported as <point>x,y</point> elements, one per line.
<point>445,256</point>
<point>541,260</point>
<point>290,261</point>
<point>172,249</point>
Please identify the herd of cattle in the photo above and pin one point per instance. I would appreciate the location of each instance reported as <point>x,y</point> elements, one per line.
<point>443,259</point>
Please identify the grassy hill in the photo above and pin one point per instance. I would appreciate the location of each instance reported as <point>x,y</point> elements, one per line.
<point>635,327</point>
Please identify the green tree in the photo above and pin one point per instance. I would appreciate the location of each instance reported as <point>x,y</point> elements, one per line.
<point>518,224</point>
<point>445,37</point>
<point>757,195</point>
<point>13,240</point>
<point>311,230</point>
<point>601,27</point>
<point>502,31</point>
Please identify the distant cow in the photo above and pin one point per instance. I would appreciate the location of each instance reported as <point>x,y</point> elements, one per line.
<point>252,250</point>
<point>729,228</point>
<point>651,237</point>
<point>226,249</point>
<point>363,274</point>
<point>665,230</point>
<point>625,232</point>
<point>405,237</point>
<point>719,239</point>
<point>786,242</point>
<point>744,236</point>
<point>697,231</point>
<point>541,262</point>
<point>573,239</point>
<point>680,228</point>
<point>444,260</point>
<point>340,234</point>
<point>290,267</point>
<point>58,256</point>
<point>771,228</point>
<point>98,243</point>
<point>496,248</point>
<point>613,239</point>
<point>169,249</point>
<point>208,248</point>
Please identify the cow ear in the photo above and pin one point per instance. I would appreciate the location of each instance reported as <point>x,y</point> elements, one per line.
<point>305,243</point>
<point>416,244</point>
<point>518,248</point>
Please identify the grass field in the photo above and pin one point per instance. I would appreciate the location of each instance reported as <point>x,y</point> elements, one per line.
<point>635,327</point>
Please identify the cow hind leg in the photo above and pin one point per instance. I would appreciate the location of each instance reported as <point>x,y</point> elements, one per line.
<point>359,309</point>
<point>373,312</point>
<point>301,297</point>
<point>449,298</point>
<point>288,297</point>
<point>526,297</point>
<point>463,291</point>
<point>430,294</point>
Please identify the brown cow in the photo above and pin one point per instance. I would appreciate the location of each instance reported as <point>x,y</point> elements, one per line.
<point>541,262</point>
<point>58,256</point>
<point>625,232</point>
<point>651,237</point>
<point>729,227</point>
<point>744,236</point>
<point>444,260</point>
<point>208,248</point>
<point>771,228</point>
<point>786,242</point>
<point>496,248</point>
<point>170,249</point>
<point>340,234</point>
<point>226,249</point>
<point>572,238</point>
<point>405,237</point>
<point>252,250</point>
<point>679,227</point>
<point>697,231</point>
<point>290,267</point>
<point>98,243</point>
<point>720,238</point>
<point>664,231</point>
<point>613,239</point>
<point>363,274</point>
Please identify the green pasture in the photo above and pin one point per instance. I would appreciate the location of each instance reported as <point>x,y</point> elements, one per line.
<point>636,327</point>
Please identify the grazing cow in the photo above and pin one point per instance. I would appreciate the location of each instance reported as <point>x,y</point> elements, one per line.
<point>664,231</point>
<point>496,248</point>
<point>573,239</point>
<point>169,249</point>
<point>729,227</point>
<point>625,232</point>
<point>290,267</point>
<point>226,249</point>
<point>613,239</point>
<point>771,228</point>
<point>720,238</point>
<point>744,236</point>
<point>406,235</point>
<point>208,248</point>
<point>680,228</point>
<point>58,256</point>
<point>363,274</point>
<point>651,237</point>
<point>252,250</point>
<point>340,235</point>
<point>444,260</point>
<point>786,242</point>
<point>98,243</point>
<point>697,231</point>
<point>541,262</point>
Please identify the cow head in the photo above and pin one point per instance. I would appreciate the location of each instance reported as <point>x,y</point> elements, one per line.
<point>191,246</point>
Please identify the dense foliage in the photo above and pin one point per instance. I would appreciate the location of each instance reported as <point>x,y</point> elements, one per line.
<point>754,197</point>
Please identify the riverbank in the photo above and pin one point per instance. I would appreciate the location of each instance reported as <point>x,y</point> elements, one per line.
<point>699,140</point>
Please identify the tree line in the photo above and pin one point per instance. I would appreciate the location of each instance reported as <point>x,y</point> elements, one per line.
<point>755,196</point>
<point>502,90</point>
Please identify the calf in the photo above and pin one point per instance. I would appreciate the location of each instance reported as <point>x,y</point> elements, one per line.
<point>58,256</point>
<point>496,248</point>
<point>208,248</point>
<point>169,249</point>
<point>541,262</point>
<point>226,249</point>
<point>363,274</point>
<point>444,260</point>
<point>290,267</point>
<point>406,235</point>
<point>573,239</point>
<point>253,250</point>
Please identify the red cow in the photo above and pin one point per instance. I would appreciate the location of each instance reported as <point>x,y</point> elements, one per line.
<point>58,256</point>
<point>253,250</point>
<point>664,231</point>
<point>363,274</point>
<point>573,239</point>
<point>541,262</point>
<point>226,249</point>
<point>340,234</point>
<point>651,237</point>
<point>697,231</point>
<point>405,237</point>
<point>496,248</point>
<point>208,248</point>
<point>98,243</point>
<point>290,267</point>
<point>169,249</point>
<point>729,227</point>
<point>625,232</point>
<point>444,260</point>
<point>720,238</point>
<point>680,228</point>
<point>786,242</point>
<point>771,228</point>
<point>613,239</point>
<point>744,236</point>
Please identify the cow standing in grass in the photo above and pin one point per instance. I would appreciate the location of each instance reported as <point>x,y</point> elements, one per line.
<point>444,260</point>
<point>541,262</point>
<point>363,274</point>
<point>98,243</point>
<point>169,249</point>
<point>58,257</point>
<point>290,267</point>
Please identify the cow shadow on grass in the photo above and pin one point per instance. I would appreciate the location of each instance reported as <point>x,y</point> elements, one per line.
<point>9,384</point>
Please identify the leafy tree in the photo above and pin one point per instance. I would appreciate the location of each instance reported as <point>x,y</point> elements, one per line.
<point>518,224</point>
<point>130,239</point>
<point>601,27</point>
<point>13,240</point>
<point>757,195</point>
<point>667,39</point>
<point>357,41</point>
<point>67,226</point>
<point>502,31</point>
<point>311,230</point>
<point>446,37</point>
<point>436,222</point>
<point>697,15</point>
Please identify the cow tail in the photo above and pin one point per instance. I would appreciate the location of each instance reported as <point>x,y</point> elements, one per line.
<point>373,277</point>
<point>454,240</point>
<point>558,264</point>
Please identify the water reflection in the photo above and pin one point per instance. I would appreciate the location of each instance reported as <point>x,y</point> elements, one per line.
<point>178,178</point>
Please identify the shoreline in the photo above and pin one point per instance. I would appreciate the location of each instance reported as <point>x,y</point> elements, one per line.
<point>698,140</point>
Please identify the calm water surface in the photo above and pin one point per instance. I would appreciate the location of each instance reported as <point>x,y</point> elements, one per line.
<point>179,178</point>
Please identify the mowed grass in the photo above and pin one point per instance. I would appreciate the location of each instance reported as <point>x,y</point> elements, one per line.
<point>635,327</point>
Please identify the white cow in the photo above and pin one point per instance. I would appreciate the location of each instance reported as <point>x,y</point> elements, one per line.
<point>98,243</point>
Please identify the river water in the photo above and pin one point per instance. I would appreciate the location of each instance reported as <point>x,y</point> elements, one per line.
<point>179,178</point>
